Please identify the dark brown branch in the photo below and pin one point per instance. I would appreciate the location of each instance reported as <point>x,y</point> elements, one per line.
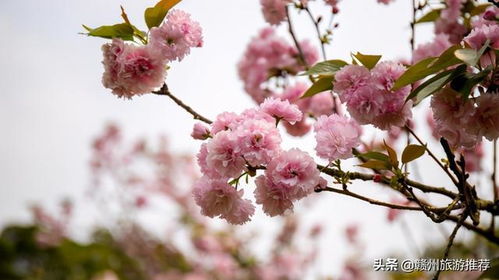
<point>451,241</point>
<point>484,233</point>
<point>386,181</point>
<point>452,163</point>
<point>494,171</point>
<point>445,169</point>
<point>494,183</point>
<point>370,200</point>
<point>318,31</point>
<point>295,40</point>
<point>468,192</point>
<point>413,27</point>
<point>165,91</point>
<point>435,217</point>
<point>489,206</point>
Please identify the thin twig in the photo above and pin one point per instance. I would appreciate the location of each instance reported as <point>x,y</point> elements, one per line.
<point>413,27</point>
<point>165,91</point>
<point>484,233</point>
<point>386,181</point>
<point>494,172</point>
<point>424,206</point>
<point>295,40</point>
<point>445,169</point>
<point>370,200</point>
<point>451,241</point>
<point>494,182</point>
<point>318,31</point>
<point>408,142</point>
<point>489,206</point>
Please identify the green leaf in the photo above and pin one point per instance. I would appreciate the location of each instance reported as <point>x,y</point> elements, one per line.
<point>376,164</point>
<point>414,73</point>
<point>484,48</point>
<point>123,31</point>
<point>154,15</point>
<point>412,152</point>
<point>430,16</point>
<point>124,16</point>
<point>446,59</point>
<point>392,154</point>
<point>465,82</point>
<point>326,68</point>
<point>368,61</point>
<point>434,84</point>
<point>375,155</point>
<point>470,56</point>
<point>323,84</point>
<point>427,67</point>
<point>492,272</point>
<point>141,35</point>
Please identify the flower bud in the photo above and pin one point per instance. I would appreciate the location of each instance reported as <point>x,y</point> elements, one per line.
<point>200,132</point>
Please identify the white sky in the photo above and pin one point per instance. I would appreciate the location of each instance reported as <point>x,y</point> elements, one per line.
<point>53,103</point>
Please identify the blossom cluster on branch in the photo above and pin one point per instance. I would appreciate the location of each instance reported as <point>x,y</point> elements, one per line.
<point>133,70</point>
<point>340,100</point>
<point>241,144</point>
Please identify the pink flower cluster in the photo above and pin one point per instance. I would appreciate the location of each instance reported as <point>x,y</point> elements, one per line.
<point>174,38</point>
<point>432,49</point>
<point>449,23</point>
<point>274,11</point>
<point>451,113</point>
<point>464,122</point>
<point>239,145</point>
<point>114,159</point>
<point>289,177</point>
<point>317,105</point>
<point>334,5</point>
<point>479,35</point>
<point>473,155</point>
<point>119,173</point>
<point>336,136</point>
<point>486,28</point>
<point>268,56</point>
<point>489,17</point>
<point>369,97</point>
<point>281,110</point>
<point>223,200</point>
<point>133,70</point>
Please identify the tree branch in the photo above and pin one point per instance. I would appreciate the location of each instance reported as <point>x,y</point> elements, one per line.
<point>451,241</point>
<point>484,233</point>
<point>494,182</point>
<point>413,28</point>
<point>317,30</point>
<point>370,200</point>
<point>295,40</point>
<point>445,169</point>
<point>165,91</point>
<point>468,192</point>
<point>386,181</point>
